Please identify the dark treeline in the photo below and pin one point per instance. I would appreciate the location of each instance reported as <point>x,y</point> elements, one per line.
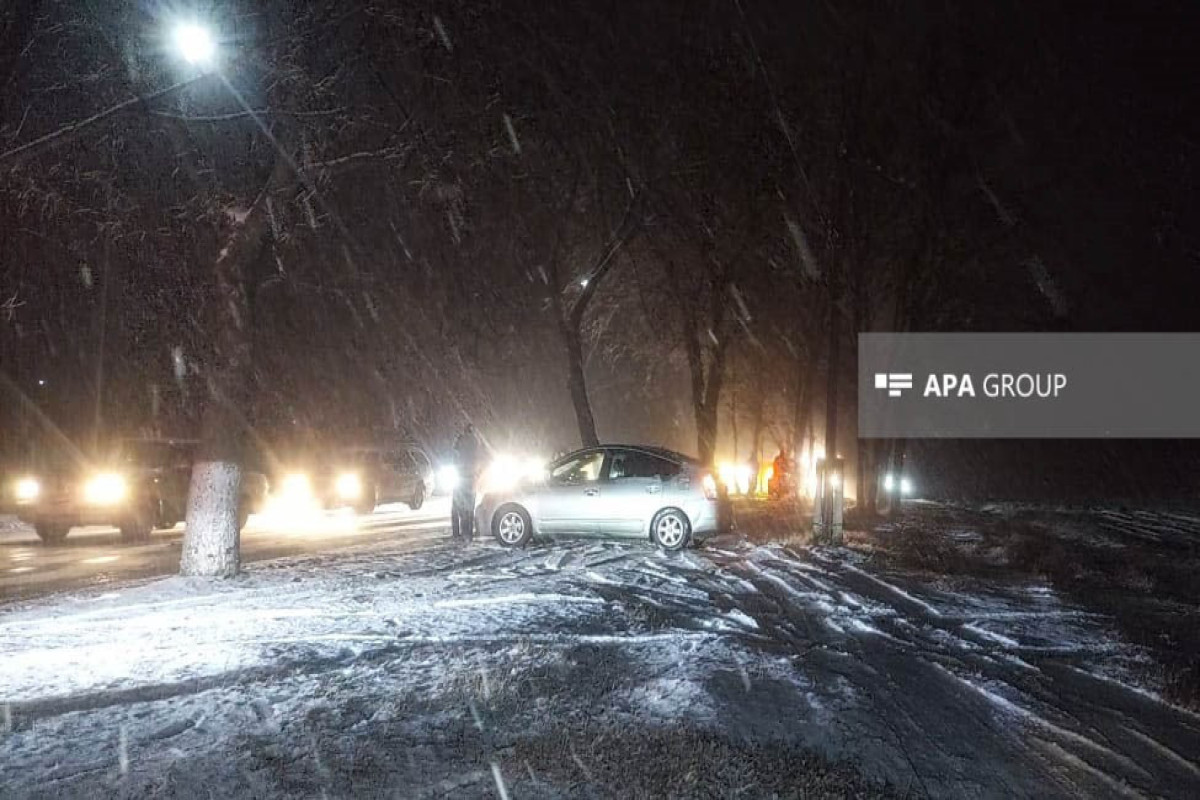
<point>568,223</point>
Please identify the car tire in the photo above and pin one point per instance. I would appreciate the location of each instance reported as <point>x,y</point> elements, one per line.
<point>671,529</point>
<point>51,534</point>
<point>418,498</point>
<point>369,500</point>
<point>511,526</point>
<point>135,530</point>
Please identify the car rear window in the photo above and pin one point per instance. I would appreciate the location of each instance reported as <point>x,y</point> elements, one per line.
<point>636,464</point>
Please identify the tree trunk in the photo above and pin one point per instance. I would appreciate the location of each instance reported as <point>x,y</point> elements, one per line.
<point>212,540</point>
<point>831,381</point>
<point>706,433</point>
<point>577,385</point>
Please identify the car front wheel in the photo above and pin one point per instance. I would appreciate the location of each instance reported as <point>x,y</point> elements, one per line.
<point>671,529</point>
<point>51,534</point>
<point>512,527</point>
<point>418,498</point>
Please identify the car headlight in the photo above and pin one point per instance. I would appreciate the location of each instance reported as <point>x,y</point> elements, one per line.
<point>348,486</point>
<point>889,482</point>
<point>296,487</point>
<point>905,486</point>
<point>105,489</point>
<point>501,475</point>
<point>447,478</point>
<point>535,469</point>
<point>27,490</point>
<point>507,471</point>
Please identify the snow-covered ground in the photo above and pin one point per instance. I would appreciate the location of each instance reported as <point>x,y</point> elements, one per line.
<point>580,668</point>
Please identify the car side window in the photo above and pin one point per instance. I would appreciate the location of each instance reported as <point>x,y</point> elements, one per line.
<point>582,469</point>
<point>632,464</point>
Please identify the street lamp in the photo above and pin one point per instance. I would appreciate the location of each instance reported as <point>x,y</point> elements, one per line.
<point>194,44</point>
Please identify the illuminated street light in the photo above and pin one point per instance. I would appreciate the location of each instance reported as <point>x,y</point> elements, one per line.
<point>194,44</point>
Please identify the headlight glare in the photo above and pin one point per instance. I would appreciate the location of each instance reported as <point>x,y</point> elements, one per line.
<point>348,486</point>
<point>105,489</point>
<point>27,490</point>
<point>447,478</point>
<point>296,487</point>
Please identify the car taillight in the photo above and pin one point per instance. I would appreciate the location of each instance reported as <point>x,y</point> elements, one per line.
<point>710,486</point>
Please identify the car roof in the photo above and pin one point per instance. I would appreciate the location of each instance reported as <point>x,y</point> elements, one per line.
<point>652,450</point>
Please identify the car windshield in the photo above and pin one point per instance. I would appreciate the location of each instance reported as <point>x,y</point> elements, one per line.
<point>581,468</point>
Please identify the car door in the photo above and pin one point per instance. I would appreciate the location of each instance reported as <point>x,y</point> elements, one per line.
<point>567,502</point>
<point>633,491</point>
<point>384,466</point>
<point>404,475</point>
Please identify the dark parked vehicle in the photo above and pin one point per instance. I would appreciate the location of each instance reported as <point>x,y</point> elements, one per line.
<point>365,477</point>
<point>142,487</point>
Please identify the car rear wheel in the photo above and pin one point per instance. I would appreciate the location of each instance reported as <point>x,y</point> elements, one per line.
<point>136,530</point>
<point>51,534</point>
<point>370,498</point>
<point>671,529</point>
<point>512,527</point>
<point>418,498</point>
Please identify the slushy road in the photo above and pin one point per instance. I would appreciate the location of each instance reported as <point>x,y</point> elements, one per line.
<point>96,556</point>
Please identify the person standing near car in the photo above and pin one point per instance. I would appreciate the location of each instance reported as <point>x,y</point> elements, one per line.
<point>462,506</point>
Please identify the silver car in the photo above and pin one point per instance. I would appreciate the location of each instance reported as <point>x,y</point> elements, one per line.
<point>612,490</point>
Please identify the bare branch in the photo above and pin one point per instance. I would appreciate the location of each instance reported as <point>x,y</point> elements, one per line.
<point>69,131</point>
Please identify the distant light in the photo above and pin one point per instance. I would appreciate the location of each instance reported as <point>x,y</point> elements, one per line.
<point>297,488</point>
<point>349,486</point>
<point>105,489</point>
<point>41,381</point>
<point>194,44</point>
<point>535,469</point>
<point>447,478</point>
<point>27,490</point>
<point>584,283</point>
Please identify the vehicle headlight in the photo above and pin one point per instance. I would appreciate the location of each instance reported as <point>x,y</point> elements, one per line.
<point>27,490</point>
<point>447,478</point>
<point>348,486</point>
<point>743,474</point>
<point>889,482</point>
<point>727,474</point>
<point>105,489</point>
<point>535,469</point>
<point>735,477</point>
<point>501,475</point>
<point>296,487</point>
<point>905,486</point>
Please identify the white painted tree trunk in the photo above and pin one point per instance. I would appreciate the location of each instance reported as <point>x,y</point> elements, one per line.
<point>210,544</point>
